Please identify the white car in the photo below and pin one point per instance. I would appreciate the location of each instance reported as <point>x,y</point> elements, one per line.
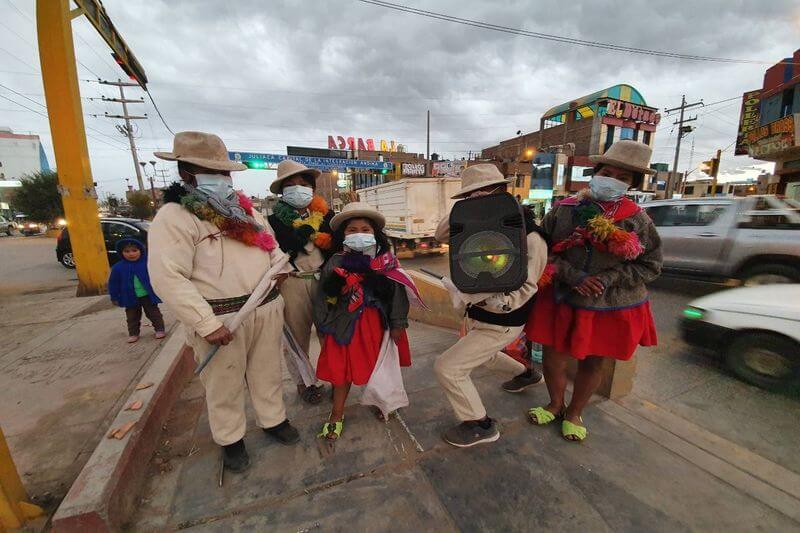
<point>756,328</point>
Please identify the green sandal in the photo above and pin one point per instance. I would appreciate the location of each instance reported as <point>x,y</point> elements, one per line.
<point>332,430</point>
<point>543,416</point>
<point>573,432</point>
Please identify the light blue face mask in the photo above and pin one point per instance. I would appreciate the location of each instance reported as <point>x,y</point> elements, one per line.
<point>218,185</point>
<point>360,242</point>
<point>298,196</point>
<point>607,189</point>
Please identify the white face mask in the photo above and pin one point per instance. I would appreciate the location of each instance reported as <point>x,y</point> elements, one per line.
<point>217,184</point>
<point>607,189</point>
<point>361,242</point>
<point>298,196</point>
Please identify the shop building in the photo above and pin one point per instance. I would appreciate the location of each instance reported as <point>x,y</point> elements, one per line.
<point>769,125</point>
<point>554,161</point>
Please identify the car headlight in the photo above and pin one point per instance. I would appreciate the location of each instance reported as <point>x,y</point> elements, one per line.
<point>694,313</point>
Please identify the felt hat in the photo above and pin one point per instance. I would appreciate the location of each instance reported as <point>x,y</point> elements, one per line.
<point>477,177</point>
<point>202,149</point>
<point>627,154</point>
<point>357,210</point>
<point>288,168</point>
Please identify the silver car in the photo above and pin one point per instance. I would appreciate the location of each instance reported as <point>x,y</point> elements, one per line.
<point>755,239</point>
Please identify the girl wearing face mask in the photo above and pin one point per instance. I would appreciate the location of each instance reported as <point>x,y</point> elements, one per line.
<point>363,293</point>
<point>604,250</point>
<point>301,222</point>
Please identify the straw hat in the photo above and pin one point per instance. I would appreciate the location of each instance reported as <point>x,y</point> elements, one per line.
<point>357,210</point>
<point>202,149</point>
<point>479,176</point>
<point>288,168</point>
<point>627,154</point>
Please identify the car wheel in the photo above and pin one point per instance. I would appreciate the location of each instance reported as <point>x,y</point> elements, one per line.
<point>68,260</point>
<point>766,360</point>
<point>769,274</point>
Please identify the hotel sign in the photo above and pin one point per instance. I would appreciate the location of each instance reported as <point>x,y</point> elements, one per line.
<point>771,140</point>
<point>748,119</point>
<point>339,142</point>
<point>629,111</point>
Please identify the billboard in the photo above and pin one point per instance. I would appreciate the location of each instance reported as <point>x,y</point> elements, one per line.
<point>450,169</point>
<point>748,119</point>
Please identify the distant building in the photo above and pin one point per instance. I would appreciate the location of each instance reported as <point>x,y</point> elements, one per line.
<point>20,155</point>
<point>554,160</point>
<point>769,124</point>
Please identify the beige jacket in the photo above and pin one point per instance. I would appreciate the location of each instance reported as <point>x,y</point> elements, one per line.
<point>506,302</point>
<point>189,263</point>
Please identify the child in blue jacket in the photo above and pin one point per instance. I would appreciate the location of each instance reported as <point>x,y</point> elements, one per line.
<point>129,287</point>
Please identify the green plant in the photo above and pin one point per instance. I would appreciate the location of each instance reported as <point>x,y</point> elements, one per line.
<point>38,197</point>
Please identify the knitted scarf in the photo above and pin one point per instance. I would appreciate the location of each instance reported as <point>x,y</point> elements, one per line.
<point>247,233</point>
<point>386,265</point>
<point>317,209</point>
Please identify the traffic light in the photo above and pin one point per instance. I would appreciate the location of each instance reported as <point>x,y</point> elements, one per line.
<point>711,167</point>
<point>257,165</point>
<point>384,171</point>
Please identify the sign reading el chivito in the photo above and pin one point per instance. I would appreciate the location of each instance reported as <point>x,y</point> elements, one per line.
<point>772,138</point>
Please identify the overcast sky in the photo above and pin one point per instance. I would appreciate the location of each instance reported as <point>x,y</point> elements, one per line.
<point>266,74</point>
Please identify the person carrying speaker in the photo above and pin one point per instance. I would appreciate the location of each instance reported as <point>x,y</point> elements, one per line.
<point>363,294</point>
<point>301,222</point>
<point>493,321</point>
<point>604,250</point>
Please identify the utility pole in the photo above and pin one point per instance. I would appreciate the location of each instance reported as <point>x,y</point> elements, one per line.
<point>673,181</point>
<point>152,187</point>
<point>428,170</point>
<point>127,130</point>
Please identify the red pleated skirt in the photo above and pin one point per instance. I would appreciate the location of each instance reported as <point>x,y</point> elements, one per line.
<point>585,332</point>
<point>353,363</point>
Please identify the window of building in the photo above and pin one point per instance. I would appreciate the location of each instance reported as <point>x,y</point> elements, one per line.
<point>609,137</point>
<point>685,214</point>
<point>646,137</point>
<point>787,104</point>
<point>688,190</point>
<point>627,133</point>
<point>771,109</point>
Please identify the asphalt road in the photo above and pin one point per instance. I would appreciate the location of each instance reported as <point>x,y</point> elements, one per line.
<point>29,264</point>
<point>696,385</point>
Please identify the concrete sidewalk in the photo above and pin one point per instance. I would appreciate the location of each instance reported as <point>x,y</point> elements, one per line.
<point>64,369</point>
<point>641,468</point>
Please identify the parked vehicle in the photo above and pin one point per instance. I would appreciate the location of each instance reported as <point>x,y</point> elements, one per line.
<point>755,239</point>
<point>114,229</point>
<point>6,225</point>
<point>29,227</point>
<point>413,208</point>
<point>757,329</point>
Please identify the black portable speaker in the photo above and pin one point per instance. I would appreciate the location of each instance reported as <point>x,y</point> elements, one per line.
<point>488,244</point>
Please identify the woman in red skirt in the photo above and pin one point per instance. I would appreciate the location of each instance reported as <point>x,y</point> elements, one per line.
<point>362,295</point>
<point>604,249</point>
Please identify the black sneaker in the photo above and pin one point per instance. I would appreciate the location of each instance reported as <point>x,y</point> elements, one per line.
<point>521,382</point>
<point>284,433</point>
<point>470,433</point>
<point>235,458</point>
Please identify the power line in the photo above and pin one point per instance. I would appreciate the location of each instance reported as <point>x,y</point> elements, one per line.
<point>159,112</point>
<point>555,38</point>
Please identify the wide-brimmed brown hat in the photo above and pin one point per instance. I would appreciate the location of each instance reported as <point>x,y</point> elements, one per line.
<point>630,155</point>
<point>479,176</point>
<point>288,168</point>
<point>358,210</point>
<point>202,149</point>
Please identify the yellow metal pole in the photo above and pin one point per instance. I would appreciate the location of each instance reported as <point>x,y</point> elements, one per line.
<point>60,77</point>
<point>14,508</point>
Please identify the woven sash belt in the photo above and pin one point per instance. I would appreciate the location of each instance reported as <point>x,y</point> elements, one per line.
<point>224,306</point>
